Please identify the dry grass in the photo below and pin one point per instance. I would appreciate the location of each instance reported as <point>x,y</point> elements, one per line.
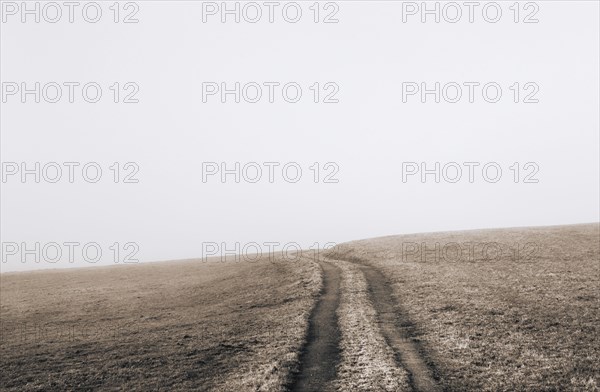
<point>528,323</point>
<point>367,362</point>
<point>172,326</point>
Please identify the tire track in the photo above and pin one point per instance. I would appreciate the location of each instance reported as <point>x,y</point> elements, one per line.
<point>396,327</point>
<point>321,353</point>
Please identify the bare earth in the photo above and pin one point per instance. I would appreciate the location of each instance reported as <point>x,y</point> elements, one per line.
<point>516,309</point>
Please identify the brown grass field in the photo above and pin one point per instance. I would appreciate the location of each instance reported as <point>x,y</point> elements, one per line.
<point>171,326</point>
<point>503,322</point>
<point>513,310</point>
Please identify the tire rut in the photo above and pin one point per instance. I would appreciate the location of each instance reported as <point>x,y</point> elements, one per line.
<point>395,327</point>
<point>321,353</point>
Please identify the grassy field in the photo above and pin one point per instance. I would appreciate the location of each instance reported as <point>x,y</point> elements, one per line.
<point>492,318</point>
<point>189,325</point>
<point>486,310</point>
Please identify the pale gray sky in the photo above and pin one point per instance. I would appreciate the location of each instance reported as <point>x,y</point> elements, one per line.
<point>369,54</point>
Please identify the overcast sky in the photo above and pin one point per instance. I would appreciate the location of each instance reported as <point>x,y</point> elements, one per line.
<point>366,136</point>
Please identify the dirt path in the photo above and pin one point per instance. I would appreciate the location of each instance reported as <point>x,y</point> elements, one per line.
<point>396,329</point>
<point>321,353</point>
